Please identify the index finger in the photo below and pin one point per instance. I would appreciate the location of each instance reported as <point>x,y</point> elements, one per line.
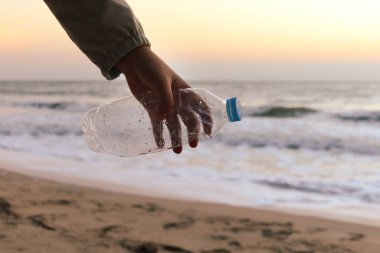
<point>206,118</point>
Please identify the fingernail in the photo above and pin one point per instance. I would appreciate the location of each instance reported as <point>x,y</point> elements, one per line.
<point>193,143</point>
<point>177,150</point>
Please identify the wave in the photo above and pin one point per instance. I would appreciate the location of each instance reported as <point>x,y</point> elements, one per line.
<point>59,106</point>
<point>312,144</point>
<point>297,112</point>
<point>273,127</point>
<point>360,116</point>
<point>280,112</point>
<point>289,134</point>
<point>42,130</point>
<point>40,125</point>
<point>315,134</point>
<point>53,106</point>
<point>325,188</point>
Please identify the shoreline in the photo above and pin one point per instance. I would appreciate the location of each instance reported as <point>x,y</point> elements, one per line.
<point>43,215</point>
<point>35,165</point>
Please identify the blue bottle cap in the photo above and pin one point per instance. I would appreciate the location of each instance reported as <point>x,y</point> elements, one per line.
<point>233,108</point>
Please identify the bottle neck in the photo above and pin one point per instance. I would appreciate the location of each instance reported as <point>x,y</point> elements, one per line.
<point>233,109</point>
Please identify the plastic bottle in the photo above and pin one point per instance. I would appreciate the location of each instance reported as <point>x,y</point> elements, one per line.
<point>126,126</point>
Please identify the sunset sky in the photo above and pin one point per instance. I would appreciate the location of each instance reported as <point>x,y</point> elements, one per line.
<point>213,39</point>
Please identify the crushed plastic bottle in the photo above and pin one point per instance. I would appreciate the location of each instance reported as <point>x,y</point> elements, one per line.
<point>130,127</point>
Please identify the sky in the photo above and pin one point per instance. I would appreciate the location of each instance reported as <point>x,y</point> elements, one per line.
<point>211,40</point>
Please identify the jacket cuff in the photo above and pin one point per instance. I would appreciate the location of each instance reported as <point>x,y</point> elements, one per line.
<point>107,65</point>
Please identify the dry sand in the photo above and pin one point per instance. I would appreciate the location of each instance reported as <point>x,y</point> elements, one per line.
<point>43,216</point>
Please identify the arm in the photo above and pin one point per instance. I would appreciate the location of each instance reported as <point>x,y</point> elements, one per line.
<point>111,36</point>
<point>104,30</point>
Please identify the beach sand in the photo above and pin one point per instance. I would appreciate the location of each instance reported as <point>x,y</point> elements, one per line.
<point>38,215</point>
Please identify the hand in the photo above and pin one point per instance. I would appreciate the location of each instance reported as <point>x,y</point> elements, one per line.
<point>146,72</point>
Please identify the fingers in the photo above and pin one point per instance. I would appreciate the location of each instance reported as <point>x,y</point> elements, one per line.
<point>174,128</point>
<point>194,102</point>
<point>206,119</point>
<point>204,112</point>
<point>194,112</point>
<point>157,128</point>
<point>191,121</point>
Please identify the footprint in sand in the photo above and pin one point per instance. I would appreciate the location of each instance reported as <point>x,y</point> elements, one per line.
<point>174,249</point>
<point>101,207</point>
<point>216,251</point>
<point>183,224</point>
<point>316,230</point>
<point>149,207</point>
<point>235,245</point>
<point>40,221</point>
<point>61,202</point>
<point>220,220</point>
<point>219,237</point>
<point>150,247</point>
<point>57,202</point>
<point>112,230</point>
<point>276,234</point>
<point>6,208</point>
<point>232,243</point>
<point>353,237</point>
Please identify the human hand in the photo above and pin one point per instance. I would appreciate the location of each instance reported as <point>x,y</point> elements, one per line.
<point>146,72</point>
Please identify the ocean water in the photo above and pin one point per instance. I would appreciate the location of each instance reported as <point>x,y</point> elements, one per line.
<point>301,145</point>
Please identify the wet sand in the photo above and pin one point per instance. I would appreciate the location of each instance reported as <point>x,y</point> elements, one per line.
<point>38,215</point>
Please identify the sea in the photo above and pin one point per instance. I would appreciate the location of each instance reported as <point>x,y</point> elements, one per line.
<point>305,147</point>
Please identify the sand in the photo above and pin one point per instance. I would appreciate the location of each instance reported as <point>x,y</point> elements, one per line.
<point>37,215</point>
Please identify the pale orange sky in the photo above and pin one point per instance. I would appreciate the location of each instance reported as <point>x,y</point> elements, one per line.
<point>213,39</point>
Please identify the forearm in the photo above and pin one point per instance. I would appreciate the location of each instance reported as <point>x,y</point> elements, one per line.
<point>105,30</point>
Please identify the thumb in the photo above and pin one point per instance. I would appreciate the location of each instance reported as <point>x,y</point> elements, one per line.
<point>165,101</point>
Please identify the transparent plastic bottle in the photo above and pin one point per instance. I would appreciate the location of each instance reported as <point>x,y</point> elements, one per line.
<point>128,127</point>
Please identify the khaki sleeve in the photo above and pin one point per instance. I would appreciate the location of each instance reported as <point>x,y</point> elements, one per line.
<point>104,30</point>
